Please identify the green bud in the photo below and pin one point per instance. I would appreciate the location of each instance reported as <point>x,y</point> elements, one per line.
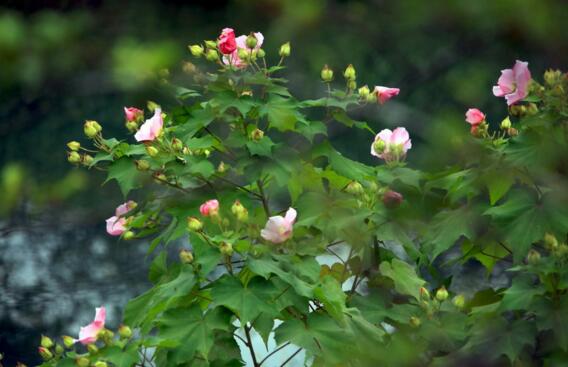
<point>533,257</point>
<point>73,157</point>
<point>415,321</point>
<point>91,128</point>
<point>206,153</point>
<point>532,109</point>
<point>285,50</point>
<point>185,256</point>
<point>260,53</point>
<point>326,74</point>
<point>92,348</point>
<point>459,301</point>
<point>251,41</point>
<point>82,362</point>
<point>506,123</point>
<point>46,342</point>
<point>142,165</point>
<point>196,50</point>
<point>442,294</point>
<point>379,146</point>
<point>550,241</point>
<point>68,341</point>
<point>211,44</point>
<point>212,55</point>
<point>256,134</point>
<point>239,211</point>
<point>364,92</point>
<point>101,364</point>
<point>349,73</point>
<point>124,331</point>
<point>59,349</point>
<point>151,105</point>
<point>45,353</point>
<point>194,224</point>
<point>552,77</point>
<point>177,145</point>
<point>354,188</point>
<point>160,178</point>
<point>74,145</point>
<point>87,160</point>
<point>222,167</point>
<point>128,235</point>
<point>131,126</point>
<point>243,54</point>
<point>424,294</point>
<point>151,151</point>
<point>226,248</point>
<point>371,98</point>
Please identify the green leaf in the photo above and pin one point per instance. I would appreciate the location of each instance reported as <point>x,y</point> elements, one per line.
<point>247,302</point>
<point>407,176</point>
<point>281,113</point>
<point>520,295</point>
<point>446,228</point>
<point>125,173</point>
<point>342,117</point>
<point>329,293</point>
<point>159,267</point>
<point>119,357</point>
<point>404,277</point>
<point>553,316</point>
<point>205,255</point>
<point>498,185</point>
<point>263,147</point>
<point>344,166</point>
<point>311,128</point>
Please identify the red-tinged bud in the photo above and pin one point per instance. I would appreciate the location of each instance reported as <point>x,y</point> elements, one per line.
<point>74,145</point>
<point>185,256</point>
<point>226,248</point>
<point>177,145</point>
<point>512,131</point>
<point>82,362</point>
<point>424,294</point>
<point>326,74</point>
<point>45,353</point>
<point>533,257</point>
<point>68,341</point>
<point>152,151</point>
<point>46,342</point>
<point>459,301</point>
<point>415,321</point>
<point>392,199</point>
<point>442,294</point>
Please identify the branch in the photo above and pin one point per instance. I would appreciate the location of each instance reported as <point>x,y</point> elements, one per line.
<point>290,358</point>
<point>263,198</point>
<point>274,352</point>
<point>251,348</point>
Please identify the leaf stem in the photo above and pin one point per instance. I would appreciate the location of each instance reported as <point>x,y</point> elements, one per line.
<point>290,358</point>
<point>274,352</point>
<point>251,348</point>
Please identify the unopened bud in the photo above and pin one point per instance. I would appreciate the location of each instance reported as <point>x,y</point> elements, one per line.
<point>45,353</point>
<point>194,224</point>
<point>188,67</point>
<point>92,348</point>
<point>100,364</point>
<point>206,153</point>
<point>82,362</point>
<point>351,84</point>
<point>87,159</point>
<point>239,211</point>
<point>532,109</point>
<point>354,188</point>
<point>552,77</point>
<point>349,73</point>
<point>459,301</point>
<point>151,150</point>
<point>59,349</point>
<point>128,235</point>
<point>124,331</point>
<point>222,167</point>
<point>177,145</point>
<point>160,178</point>
<point>260,53</point>
<point>251,41</point>
<point>326,74</point>
<point>73,157</point>
<point>226,248</point>
<point>212,55</point>
<point>91,128</point>
<point>243,54</point>
<point>285,50</point>
<point>364,92</point>
<point>132,126</point>
<point>533,257</point>
<point>196,50</point>
<point>256,134</point>
<point>142,165</point>
<point>379,146</point>
<point>442,294</point>
<point>185,256</point>
<point>392,199</point>
<point>68,341</point>
<point>74,145</point>
<point>424,294</point>
<point>371,98</point>
<point>211,44</point>
<point>512,131</point>
<point>550,241</point>
<point>415,321</point>
<point>506,123</point>
<point>46,342</point>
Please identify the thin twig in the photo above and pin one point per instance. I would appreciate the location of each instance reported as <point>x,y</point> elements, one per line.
<point>290,358</point>
<point>274,351</point>
<point>250,346</point>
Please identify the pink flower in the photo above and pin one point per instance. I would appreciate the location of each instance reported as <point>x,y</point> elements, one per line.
<point>152,128</point>
<point>233,58</point>
<point>116,225</point>
<point>385,93</point>
<point>133,113</point>
<point>278,229</point>
<point>391,145</point>
<point>513,83</point>
<point>474,116</point>
<point>227,42</point>
<point>209,208</point>
<point>88,334</point>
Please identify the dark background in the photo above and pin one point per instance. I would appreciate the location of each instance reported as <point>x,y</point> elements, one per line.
<point>62,62</point>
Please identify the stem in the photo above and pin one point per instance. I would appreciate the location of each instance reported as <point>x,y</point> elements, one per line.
<point>251,348</point>
<point>274,351</point>
<point>263,198</point>
<point>290,358</point>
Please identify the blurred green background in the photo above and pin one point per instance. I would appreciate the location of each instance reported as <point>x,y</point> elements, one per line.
<point>62,62</point>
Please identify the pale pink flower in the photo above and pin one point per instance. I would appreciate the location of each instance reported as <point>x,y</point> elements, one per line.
<point>513,84</point>
<point>152,128</point>
<point>385,93</point>
<point>209,208</point>
<point>88,334</point>
<point>227,41</point>
<point>233,58</point>
<point>474,116</point>
<point>394,144</point>
<point>116,225</point>
<point>278,229</point>
<point>132,113</point>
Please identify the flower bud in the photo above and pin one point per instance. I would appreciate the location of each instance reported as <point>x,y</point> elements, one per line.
<point>550,241</point>
<point>459,301</point>
<point>46,342</point>
<point>160,178</point>
<point>82,362</point>
<point>45,353</point>
<point>364,92</point>
<point>142,165</point>
<point>371,98</point>
<point>222,167</point>
<point>285,50</point>
<point>379,146</point>
<point>354,188</point>
<point>194,224</point>
<point>351,84</point>
<point>101,364</point>
<point>239,211</point>
<point>512,131</point>
<point>506,123</point>
<point>74,145</point>
<point>424,294</point>
<point>349,73</point>
<point>185,256</point>
<point>196,50</point>
<point>128,235</point>
<point>326,74</point>
<point>188,67</point>
<point>533,257</point>
<point>131,126</point>
<point>552,77</point>
<point>226,248</point>
<point>392,199</point>
<point>177,145</point>
<point>256,134</point>
<point>152,151</point>
<point>92,348</point>
<point>124,331</point>
<point>91,128</point>
<point>260,53</point>
<point>532,109</point>
<point>73,157</point>
<point>87,159</point>
<point>212,55</point>
<point>68,341</point>
<point>442,294</point>
<point>415,321</point>
<point>243,54</point>
<point>211,44</point>
<point>251,41</point>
